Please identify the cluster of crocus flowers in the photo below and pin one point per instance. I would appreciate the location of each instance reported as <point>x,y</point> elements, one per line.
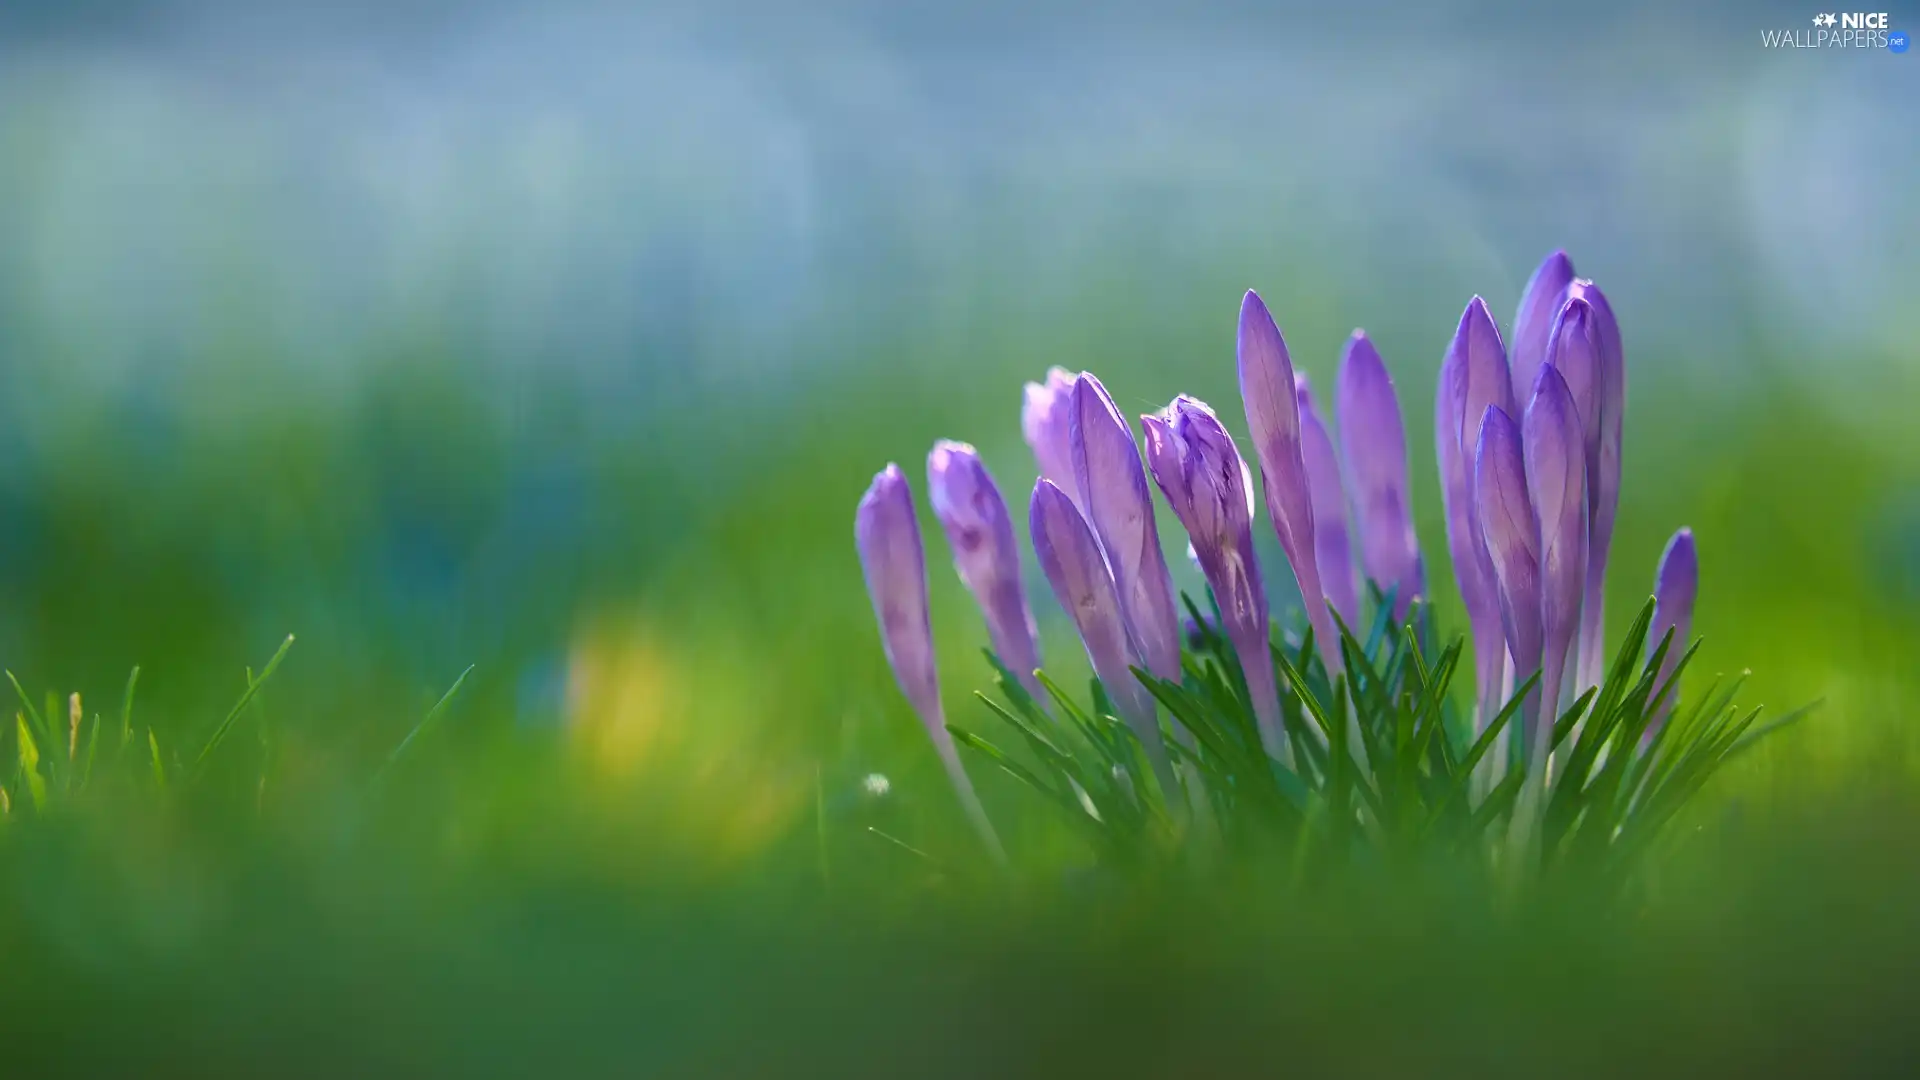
<point>1528,442</point>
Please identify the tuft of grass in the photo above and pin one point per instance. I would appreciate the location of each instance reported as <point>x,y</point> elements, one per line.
<point>1387,770</point>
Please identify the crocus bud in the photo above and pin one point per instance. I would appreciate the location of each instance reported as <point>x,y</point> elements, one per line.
<point>1113,487</point>
<point>1071,559</point>
<point>1603,476</point>
<point>1546,292</point>
<point>1556,482</point>
<point>888,538</point>
<point>1473,378</point>
<point>1273,419</point>
<point>1332,545</point>
<point>1044,420</point>
<point>1513,535</point>
<point>1574,349</point>
<point>985,554</point>
<point>1674,589</point>
<point>1200,470</point>
<point>1376,458</point>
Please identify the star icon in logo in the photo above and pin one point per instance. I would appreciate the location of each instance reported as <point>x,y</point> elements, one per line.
<point>1830,20</point>
<point>1824,20</point>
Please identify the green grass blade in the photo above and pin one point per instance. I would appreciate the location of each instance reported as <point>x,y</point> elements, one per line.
<point>426,721</point>
<point>240,707</point>
<point>159,765</point>
<point>30,764</point>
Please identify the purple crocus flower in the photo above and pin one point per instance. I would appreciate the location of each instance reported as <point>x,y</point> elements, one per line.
<point>1332,545</point>
<point>1273,419</point>
<point>1512,533</point>
<point>887,535</point>
<point>1200,470</point>
<point>1574,349</point>
<point>1545,294</point>
<point>1376,457</point>
<point>1071,559</point>
<point>1473,378</point>
<point>1603,474</point>
<point>1113,487</point>
<point>1044,420</point>
<point>1674,589</point>
<point>1556,482</point>
<point>970,509</point>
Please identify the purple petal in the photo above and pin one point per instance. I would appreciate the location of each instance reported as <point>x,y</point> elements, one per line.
<point>1556,483</point>
<point>1273,420</point>
<point>1545,294</point>
<point>1332,545</point>
<point>1044,421</point>
<point>1164,454</point>
<point>1200,469</point>
<point>888,537</point>
<point>1603,476</point>
<point>1674,589</point>
<point>985,553</point>
<point>1071,559</point>
<point>1473,378</point>
<point>1113,484</point>
<point>1376,456</point>
<point>1513,537</point>
<point>1574,348</point>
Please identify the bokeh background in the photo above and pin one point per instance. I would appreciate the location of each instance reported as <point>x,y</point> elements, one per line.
<point>559,339</point>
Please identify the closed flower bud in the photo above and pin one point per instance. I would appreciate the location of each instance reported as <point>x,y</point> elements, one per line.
<point>1473,378</point>
<point>1603,476</point>
<point>985,553</point>
<point>1273,421</point>
<point>1119,505</point>
<point>1070,557</point>
<point>1674,590</point>
<point>1556,483</point>
<point>1375,446</point>
<point>1332,543</point>
<point>887,535</point>
<point>1513,535</point>
<point>1199,468</point>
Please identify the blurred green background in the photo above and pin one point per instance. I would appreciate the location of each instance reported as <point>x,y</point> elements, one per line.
<point>560,340</point>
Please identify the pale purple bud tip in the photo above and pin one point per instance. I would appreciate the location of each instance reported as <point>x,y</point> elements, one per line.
<point>985,553</point>
<point>1332,543</point>
<point>888,537</point>
<point>1044,420</point>
<point>1273,420</point>
<point>1556,484</point>
<point>1545,294</point>
<point>1113,488</point>
<point>1674,590</point>
<point>1512,533</point>
<point>1375,443</point>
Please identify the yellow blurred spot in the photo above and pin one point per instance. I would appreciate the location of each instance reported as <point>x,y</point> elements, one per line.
<point>674,735</point>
